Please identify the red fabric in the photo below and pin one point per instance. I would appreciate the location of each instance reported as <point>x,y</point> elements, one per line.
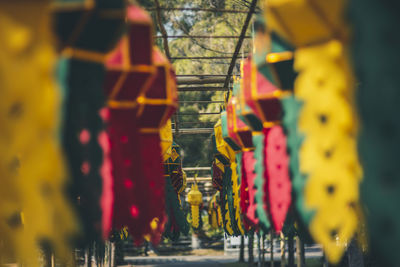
<point>153,181</point>
<point>278,184</point>
<point>270,108</point>
<point>247,203</point>
<point>136,155</point>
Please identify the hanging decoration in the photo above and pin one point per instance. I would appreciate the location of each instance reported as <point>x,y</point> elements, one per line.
<point>278,185</point>
<point>195,199</point>
<point>128,74</point>
<point>142,89</point>
<point>327,119</point>
<point>34,213</point>
<point>247,191</point>
<point>223,154</point>
<point>83,44</point>
<point>375,56</point>
<point>261,93</point>
<point>175,183</point>
<point>214,212</point>
<point>291,108</point>
<point>239,135</point>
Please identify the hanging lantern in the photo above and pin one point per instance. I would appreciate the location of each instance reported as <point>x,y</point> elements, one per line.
<point>86,31</point>
<point>214,212</point>
<point>129,66</point>
<point>268,75</point>
<point>238,131</point>
<point>195,199</point>
<point>175,183</point>
<point>292,20</point>
<point>166,140</point>
<point>130,71</point>
<point>225,133</point>
<point>225,151</point>
<point>88,28</point>
<point>217,174</point>
<point>160,101</point>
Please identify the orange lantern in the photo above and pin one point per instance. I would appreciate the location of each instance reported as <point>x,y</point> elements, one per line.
<point>237,129</point>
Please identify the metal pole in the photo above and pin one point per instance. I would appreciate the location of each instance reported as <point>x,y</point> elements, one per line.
<point>272,248</point>
<point>251,245</point>
<point>240,41</point>
<point>259,249</point>
<point>300,252</point>
<point>263,250</point>
<point>283,256</point>
<point>241,253</point>
<point>290,250</point>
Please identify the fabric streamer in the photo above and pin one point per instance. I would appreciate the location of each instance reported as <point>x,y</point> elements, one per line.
<point>291,108</point>
<point>34,212</point>
<point>247,190</point>
<point>276,164</point>
<point>83,44</point>
<point>325,85</point>
<point>174,185</point>
<point>214,212</point>
<point>259,182</point>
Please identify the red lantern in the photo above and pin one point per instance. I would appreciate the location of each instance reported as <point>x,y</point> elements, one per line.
<point>155,107</point>
<point>129,66</point>
<point>130,73</point>
<point>261,95</point>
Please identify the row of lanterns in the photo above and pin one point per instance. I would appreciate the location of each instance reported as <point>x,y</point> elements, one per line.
<point>285,147</point>
<point>100,128</point>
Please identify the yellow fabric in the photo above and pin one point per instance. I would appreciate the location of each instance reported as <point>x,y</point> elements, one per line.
<point>214,212</point>
<point>222,146</point>
<point>236,197</point>
<point>325,85</point>
<point>32,207</point>
<point>166,140</point>
<point>328,154</point>
<point>305,22</point>
<point>230,154</point>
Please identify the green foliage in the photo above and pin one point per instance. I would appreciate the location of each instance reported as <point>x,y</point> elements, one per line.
<point>197,148</point>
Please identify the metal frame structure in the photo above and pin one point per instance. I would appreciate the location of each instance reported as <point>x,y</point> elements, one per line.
<point>196,82</point>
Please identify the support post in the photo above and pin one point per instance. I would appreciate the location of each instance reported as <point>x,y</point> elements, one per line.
<point>241,253</point>
<point>272,248</point>
<point>251,245</point>
<point>259,249</point>
<point>300,253</point>
<point>291,250</point>
<point>263,250</point>
<point>283,254</point>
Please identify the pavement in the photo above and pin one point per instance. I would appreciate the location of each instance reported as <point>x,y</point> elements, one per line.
<point>209,261</point>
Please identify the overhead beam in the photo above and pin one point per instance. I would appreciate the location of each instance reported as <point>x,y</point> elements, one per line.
<point>199,80</point>
<point>196,131</point>
<point>234,11</point>
<point>240,41</point>
<point>200,58</point>
<point>197,169</point>
<point>204,36</point>
<point>202,88</point>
